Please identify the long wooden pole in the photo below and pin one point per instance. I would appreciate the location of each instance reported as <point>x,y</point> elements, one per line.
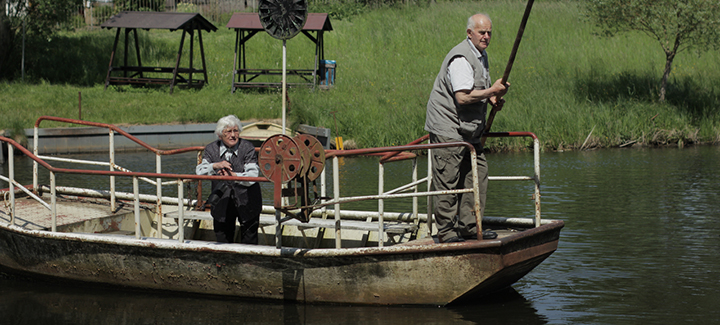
<point>505,76</point>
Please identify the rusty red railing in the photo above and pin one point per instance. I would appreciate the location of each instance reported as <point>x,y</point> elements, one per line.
<point>386,154</point>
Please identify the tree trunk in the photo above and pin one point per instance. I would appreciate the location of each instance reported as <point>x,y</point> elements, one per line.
<point>5,43</point>
<point>669,57</point>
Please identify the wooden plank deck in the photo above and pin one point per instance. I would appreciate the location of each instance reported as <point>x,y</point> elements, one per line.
<point>268,220</point>
<point>31,214</point>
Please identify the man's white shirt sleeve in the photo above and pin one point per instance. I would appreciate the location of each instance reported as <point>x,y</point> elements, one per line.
<point>461,74</point>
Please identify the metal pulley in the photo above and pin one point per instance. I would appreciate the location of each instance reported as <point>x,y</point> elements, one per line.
<point>282,158</point>
<point>313,156</point>
<point>282,19</point>
<point>279,158</point>
<point>298,160</point>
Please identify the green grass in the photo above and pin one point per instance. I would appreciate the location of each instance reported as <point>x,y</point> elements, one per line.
<point>565,80</point>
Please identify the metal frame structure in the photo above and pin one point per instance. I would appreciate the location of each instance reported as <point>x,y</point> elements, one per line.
<point>246,25</point>
<point>131,21</point>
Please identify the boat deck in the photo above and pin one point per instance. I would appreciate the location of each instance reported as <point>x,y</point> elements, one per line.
<point>270,220</point>
<point>32,215</point>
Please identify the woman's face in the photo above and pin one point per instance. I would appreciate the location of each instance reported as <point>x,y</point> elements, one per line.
<point>230,136</point>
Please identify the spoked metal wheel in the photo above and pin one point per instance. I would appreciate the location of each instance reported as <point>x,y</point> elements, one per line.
<point>283,19</point>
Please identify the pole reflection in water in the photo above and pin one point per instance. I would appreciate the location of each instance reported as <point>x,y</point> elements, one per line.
<point>641,245</point>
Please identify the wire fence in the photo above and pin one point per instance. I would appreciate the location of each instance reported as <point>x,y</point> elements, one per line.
<point>92,13</point>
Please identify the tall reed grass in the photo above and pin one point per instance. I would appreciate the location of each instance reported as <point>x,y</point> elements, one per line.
<point>566,81</point>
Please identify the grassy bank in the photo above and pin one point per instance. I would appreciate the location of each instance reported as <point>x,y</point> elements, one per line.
<point>566,82</point>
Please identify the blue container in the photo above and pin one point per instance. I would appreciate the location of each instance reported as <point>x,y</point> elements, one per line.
<point>327,73</point>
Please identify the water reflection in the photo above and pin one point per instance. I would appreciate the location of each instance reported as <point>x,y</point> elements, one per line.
<point>23,302</point>
<point>641,245</point>
<point>642,236</point>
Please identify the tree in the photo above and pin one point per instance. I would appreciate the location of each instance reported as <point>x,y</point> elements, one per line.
<point>678,25</point>
<point>5,38</point>
<point>41,17</point>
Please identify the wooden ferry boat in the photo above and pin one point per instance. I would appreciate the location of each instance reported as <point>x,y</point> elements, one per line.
<point>310,250</point>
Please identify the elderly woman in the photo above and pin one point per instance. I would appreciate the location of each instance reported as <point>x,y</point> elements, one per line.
<point>232,156</point>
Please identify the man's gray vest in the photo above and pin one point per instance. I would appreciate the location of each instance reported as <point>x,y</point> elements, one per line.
<point>445,117</point>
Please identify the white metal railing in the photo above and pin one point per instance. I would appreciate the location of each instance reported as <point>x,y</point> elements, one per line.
<point>404,191</point>
<point>394,193</point>
<point>112,165</point>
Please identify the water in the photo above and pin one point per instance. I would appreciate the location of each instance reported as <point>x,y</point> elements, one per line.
<point>641,245</point>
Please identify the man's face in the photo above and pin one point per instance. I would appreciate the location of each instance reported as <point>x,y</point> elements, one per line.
<point>480,34</point>
<point>230,136</point>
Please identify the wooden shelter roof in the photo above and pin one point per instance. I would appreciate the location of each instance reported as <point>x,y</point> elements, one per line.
<point>251,21</point>
<point>159,20</point>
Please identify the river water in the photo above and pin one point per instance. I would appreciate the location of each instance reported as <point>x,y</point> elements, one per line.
<point>641,245</point>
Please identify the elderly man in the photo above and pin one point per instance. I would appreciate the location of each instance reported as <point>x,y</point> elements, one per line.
<point>232,156</point>
<point>456,111</point>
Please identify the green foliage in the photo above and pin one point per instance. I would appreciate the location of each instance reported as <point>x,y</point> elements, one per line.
<point>102,13</point>
<point>338,9</point>
<point>186,7</point>
<point>684,22</point>
<point>565,82</point>
<point>143,5</point>
<point>676,25</point>
<point>43,17</point>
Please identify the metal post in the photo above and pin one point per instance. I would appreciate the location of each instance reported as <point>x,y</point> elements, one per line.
<point>323,210</point>
<point>11,173</point>
<point>415,199</point>
<point>323,188</point>
<point>158,186</point>
<point>198,188</point>
<point>53,201</point>
<point>476,193</point>
<point>284,85</point>
<point>35,163</point>
<point>381,204</point>
<point>336,193</point>
<point>181,212</point>
<point>136,193</point>
<point>536,150</point>
<point>111,136</point>
<point>278,229</point>
<point>429,218</point>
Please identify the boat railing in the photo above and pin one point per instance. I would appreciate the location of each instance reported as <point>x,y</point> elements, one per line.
<point>179,179</point>
<point>388,154</point>
<point>112,130</point>
<point>399,153</point>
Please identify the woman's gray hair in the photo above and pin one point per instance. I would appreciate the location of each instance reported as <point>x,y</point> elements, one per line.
<point>226,122</point>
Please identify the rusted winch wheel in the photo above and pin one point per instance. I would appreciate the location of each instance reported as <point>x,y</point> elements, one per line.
<point>313,156</point>
<point>282,19</point>
<point>279,158</point>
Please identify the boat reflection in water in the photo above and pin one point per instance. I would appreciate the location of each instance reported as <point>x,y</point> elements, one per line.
<point>311,250</point>
<point>32,301</point>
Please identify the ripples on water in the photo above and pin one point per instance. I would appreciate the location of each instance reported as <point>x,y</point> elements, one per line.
<point>641,245</point>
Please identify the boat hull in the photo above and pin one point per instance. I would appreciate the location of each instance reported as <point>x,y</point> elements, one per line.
<point>421,272</point>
